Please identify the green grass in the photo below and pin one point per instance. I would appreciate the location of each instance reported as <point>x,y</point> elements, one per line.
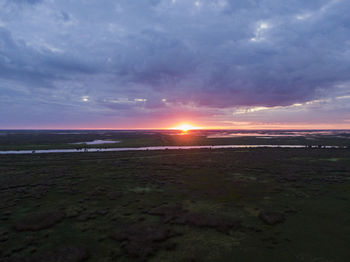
<point>102,193</point>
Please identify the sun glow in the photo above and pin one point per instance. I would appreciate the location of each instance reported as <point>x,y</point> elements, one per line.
<point>185,127</point>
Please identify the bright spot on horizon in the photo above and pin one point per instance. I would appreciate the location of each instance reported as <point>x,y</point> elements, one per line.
<point>185,127</point>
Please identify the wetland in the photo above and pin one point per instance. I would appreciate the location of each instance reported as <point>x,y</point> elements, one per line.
<point>219,204</point>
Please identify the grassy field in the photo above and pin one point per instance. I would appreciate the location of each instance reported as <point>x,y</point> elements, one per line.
<point>196,205</point>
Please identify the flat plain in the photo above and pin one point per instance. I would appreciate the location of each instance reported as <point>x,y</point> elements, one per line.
<point>262,204</point>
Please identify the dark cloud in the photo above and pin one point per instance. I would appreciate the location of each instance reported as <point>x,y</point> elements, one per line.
<point>213,54</point>
<point>30,2</point>
<point>64,16</point>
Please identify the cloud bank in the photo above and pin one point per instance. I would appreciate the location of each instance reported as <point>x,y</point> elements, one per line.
<point>89,63</point>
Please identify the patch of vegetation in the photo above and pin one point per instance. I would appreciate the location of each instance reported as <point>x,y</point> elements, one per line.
<point>263,204</point>
<point>41,139</point>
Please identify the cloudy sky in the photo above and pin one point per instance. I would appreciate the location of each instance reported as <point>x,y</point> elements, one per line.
<point>157,63</point>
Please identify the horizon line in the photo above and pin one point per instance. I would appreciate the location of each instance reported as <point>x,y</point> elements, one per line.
<point>171,129</point>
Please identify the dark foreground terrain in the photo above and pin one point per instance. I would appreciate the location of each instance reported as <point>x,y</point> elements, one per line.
<point>194,205</point>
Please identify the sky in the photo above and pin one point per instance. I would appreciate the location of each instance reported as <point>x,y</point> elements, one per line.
<point>260,64</point>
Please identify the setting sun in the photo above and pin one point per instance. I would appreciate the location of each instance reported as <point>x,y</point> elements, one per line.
<point>185,127</point>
